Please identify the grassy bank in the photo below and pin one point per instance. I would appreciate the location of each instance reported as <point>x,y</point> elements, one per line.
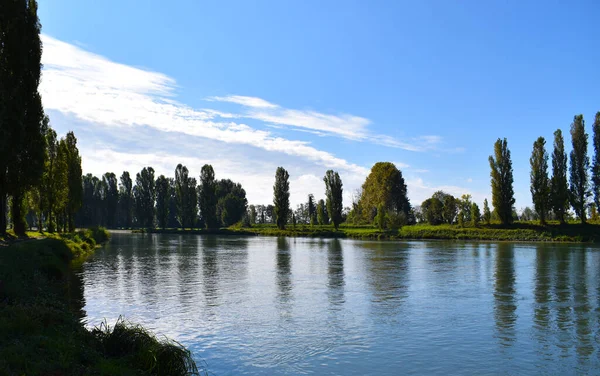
<point>41,301</point>
<point>520,231</point>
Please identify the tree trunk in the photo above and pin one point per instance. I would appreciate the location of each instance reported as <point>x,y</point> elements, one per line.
<point>17,215</point>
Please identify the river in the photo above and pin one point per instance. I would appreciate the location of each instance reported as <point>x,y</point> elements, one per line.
<point>293,306</point>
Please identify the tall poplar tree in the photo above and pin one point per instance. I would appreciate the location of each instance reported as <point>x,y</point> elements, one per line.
<point>145,196</point>
<point>559,190</point>
<point>181,194</point>
<point>312,209</point>
<point>22,126</point>
<point>502,182</point>
<point>540,186</point>
<point>163,196</point>
<point>112,198</point>
<point>580,164</point>
<point>334,194</point>
<point>208,196</point>
<point>126,197</point>
<point>74,180</point>
<point>281,197</point>
<point>596,162</point>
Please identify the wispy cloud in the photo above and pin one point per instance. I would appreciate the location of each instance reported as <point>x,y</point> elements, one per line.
<point>95,89</point>
<point>244,101</point>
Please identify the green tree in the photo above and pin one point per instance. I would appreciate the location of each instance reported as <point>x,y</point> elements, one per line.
<point>126,198</point>
<point>475,215</point>
<point>559,190</point>
<point>252,214</point>
<point>334,195</point>
<point>322,217</point>
<point>22,125</point>
<point>54,188</point>
<point>580,164</point>
<point>163,196</point>
<point>540,184</point>
<point>384,186</point>
<point>74,180</point>
<point>465,206</point>
<point>281,197</point>
<point>312,209</point>
<point>502,182</point>
<point>433,211</point>
<point>182,195</point>
<point>208,196</point>
<point>596,162</point>
<point>231,197</point>
<point>112,198</point>
<point>487,214</point>
<point>145,195</point>
<point>380,219</point>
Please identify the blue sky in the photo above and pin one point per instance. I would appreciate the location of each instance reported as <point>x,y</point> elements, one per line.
<point>313,85</point>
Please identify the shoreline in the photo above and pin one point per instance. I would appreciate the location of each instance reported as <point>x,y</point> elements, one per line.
<point>520,232</point>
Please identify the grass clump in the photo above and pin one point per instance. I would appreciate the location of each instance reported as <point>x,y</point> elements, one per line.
<point>138,347</point>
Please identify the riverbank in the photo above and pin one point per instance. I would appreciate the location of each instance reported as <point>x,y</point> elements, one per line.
<point>520,231</point>
<point>41,302</point>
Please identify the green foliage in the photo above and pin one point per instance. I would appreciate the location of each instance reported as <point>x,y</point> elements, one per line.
<point>450,209</point>
<point>487,215</point>
<point>580,163</point>
<point>540,185</point>
<point>559,191</point>
<point>380,218</point>
<point>163,195</point>
<point>22,120</point>
<point>334,194</point>
<point>281,197</point>
<point>185,197</point>
<point>126,198</point>
<point>111,200</point>
<point>208,196</point>
<point>433,211</point>
<point>502,182</point>
<point>144,193</point>
<point>312,209</point>
<point>475,215</point>
<point>74,179</point>
<point>596,161</point>
<point>384,186</point>
<point>322,217</point>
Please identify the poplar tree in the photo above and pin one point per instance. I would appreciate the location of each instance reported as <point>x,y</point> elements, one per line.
<point>334,195</point>
<point>126,197</point>
<point>580,164</point>
<point>502,182</point>
<point>22,127</point>
<point>163,196</point>
<point>112,198</point>
<point>145,195</point>
<point>208,196</point>
<point>322,218</point>
<point>596,162</point>
<point>540,186</point>
<point>312,209</point>
<point>475,214</point>
<point>74,180</point>
<point>559,190</point>
<point>487,214</point>
<point>181,194</point>
<point>281,197</point>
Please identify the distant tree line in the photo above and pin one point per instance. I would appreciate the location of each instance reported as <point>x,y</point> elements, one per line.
<point>570,185</point>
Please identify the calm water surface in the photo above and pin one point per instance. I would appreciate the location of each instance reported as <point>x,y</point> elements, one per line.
<point>284,306</point>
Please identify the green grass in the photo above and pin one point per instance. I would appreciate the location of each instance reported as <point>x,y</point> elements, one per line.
<point>519,231</point>
<point>41,301</point>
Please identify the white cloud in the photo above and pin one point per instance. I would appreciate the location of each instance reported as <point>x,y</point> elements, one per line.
<point>244,101</point>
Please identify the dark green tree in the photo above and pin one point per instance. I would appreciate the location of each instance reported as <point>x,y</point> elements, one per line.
<point>433,210</point>
<point>74,180</point>
<point>596,162</point>
<point>54,188</point>
<point>208,196</point>
<point>540,184</point>
<point>502,182</point>
<point>281,197</point>
<point>163,196</point>
<point>487,214</point>
<point>22,125</point>
<point>252,215</point>
<point>191,208</point>
<point>231,197</point>
<point>322,217</point>
<point>559,190</point>
<point>145,195</point>
<point>475,215</point>
<point>126,198</point>
<point>112,198</point>
<point>334,195</point>
<point>450,209</point>
<point>182,195</point>
<point>312,209</point>
<point>580,163</point>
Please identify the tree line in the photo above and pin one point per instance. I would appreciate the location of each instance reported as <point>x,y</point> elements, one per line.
<point>574,183</point>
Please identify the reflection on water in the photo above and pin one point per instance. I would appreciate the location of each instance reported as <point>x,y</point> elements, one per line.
<point>285,306</point>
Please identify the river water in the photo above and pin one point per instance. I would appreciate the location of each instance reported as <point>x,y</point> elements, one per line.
<point>293,306</point>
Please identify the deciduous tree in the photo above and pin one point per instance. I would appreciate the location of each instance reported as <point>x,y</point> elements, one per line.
<point>281,197</point>
<point>559,190</point>
<point>502,182</point>
<point>580,164</point>
<point>540,185</point>
<point>334,194</point>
